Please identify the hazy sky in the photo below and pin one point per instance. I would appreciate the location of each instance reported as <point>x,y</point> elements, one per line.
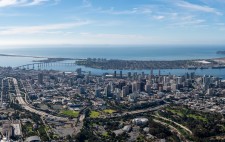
<point>143,22</point>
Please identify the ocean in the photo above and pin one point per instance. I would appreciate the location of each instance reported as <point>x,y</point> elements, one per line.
<point>122,52</point>
<point>118,52</point>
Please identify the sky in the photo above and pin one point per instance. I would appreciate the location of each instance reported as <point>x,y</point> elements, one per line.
<point>112,22</point>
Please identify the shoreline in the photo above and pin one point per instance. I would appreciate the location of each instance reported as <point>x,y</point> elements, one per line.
<point>15,55</point>
<point>120,64</point>
<point>139,65</point>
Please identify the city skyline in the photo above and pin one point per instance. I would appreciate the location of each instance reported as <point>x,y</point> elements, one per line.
<point>131,22</point>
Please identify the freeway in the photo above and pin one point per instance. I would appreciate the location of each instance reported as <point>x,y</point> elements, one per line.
<point>183,127</point>
<point>172,129</point>
<point>27,107</point>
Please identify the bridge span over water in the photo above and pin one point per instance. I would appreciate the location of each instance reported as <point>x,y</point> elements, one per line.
<point>44,65</point>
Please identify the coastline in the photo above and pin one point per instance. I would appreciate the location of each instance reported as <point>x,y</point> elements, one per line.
<point>151,64</point>
<point>120,64</point>
<point>15,55</point>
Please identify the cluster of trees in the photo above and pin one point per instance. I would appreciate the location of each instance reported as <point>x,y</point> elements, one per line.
<point>146,105</point>
<point>90,131</point>
<point>135,64</point>
<point>15,106</point>
<point>120,107</point>
<point>203,125</point>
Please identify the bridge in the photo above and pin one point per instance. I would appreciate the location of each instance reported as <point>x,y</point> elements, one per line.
<point>43,65</point>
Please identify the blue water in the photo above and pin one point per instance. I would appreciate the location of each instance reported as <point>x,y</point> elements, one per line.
<point>6,61</point>
<point>213,72</point>
<point>123,52</point>
<point>119,52</point>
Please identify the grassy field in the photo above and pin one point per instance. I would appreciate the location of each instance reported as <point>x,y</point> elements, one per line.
<point>183,112</point>
<point>105,134</point>
<point>110,111</point>
<point>70,113</point>
<point>197,117</point>
<point>94,114</point>
<point>177,112</point>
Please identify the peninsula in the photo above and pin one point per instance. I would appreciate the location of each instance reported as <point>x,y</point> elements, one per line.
<point>15,55</point>
<point>137,64</point>
<point>220,52</point>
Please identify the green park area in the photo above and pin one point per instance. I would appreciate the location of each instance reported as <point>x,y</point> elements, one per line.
<point>105,134</point>
<point>94,114</point>
<point>183,112</point>
<point>197,117</point>
<point>70,113</point>
<point>177,112</point>
<point>110,111</point>
<point>207,125</point>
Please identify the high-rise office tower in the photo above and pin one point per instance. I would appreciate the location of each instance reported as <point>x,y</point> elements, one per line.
<point>121,74</point>
<point>114,75</point>
<point>40,78</point>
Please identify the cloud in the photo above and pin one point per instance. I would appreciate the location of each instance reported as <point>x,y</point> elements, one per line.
<point>87,4</point>
<point>110,23</point>
<point>159,17</point>
<point>52,28</point>
<point>135,10</point>
<point>123,12</point>
<point>195,7</point>
<point>11,14</point>
<point>35,2</point>
<point>82,38</point>
<point>7,3</point>
<point>186,21</point>
<point>220,24</point>
<point>115,36</point>
<point>189,21</point>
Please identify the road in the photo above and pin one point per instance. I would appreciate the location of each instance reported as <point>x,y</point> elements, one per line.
<point>172,129</point>
<point>27,107</point>
<point>185,128</point>
<point>25,91</point>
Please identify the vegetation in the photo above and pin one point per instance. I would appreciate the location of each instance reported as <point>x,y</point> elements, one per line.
<point>197,117</point>
<point>42,133</point>
<point>105,134</point>
<point>16,106</point>
<point>185,112</point>
<point>70,113</point>
<point>204,126</point>
<point>101,129</point>
<point>94,114</point>
<point>110,111</point>
<point>177,112</point>
<point>135,64</point>
<point>27,128</point>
